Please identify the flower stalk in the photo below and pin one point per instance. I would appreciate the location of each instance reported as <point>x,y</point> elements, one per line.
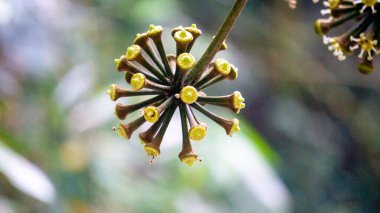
<point>217,42</point>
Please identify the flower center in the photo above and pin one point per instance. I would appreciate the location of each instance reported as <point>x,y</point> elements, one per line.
<point>137,81</point>
<point>238,101</point>
<point>151,151</point>
<point>186,61</point>
<point>197,133</point>
<point>183,36</point>
<point>369,2</point>
<point>334,3</point>
<point>223,66</point>
<point>189,95</point>
<point>151,114</point>
<point>366,44</point>
<point>132,52</point>
<point>189,160</point>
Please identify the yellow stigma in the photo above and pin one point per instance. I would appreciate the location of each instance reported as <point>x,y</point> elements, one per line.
<point>238,101</point>
<point>112,92</point>
<point>186,61</point>
<point>138,81</point>
<point>133,52</point>
<point>222,66</point>
<point>154,30</point>
<point>122,132</point>
<point>151,114</point>
<point>183,36</point>
<point>189,160</point>
<point>235,127</point>
<point>151,151</point>
<point>188,95</point>
<point>197,132</point>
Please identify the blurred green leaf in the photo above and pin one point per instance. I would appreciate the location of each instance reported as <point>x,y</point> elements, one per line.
<point>12,141</point>
<point>260,143</point>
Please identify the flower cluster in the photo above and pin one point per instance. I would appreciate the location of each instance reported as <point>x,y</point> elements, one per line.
<point>165,78</point>
<point>363,37</point>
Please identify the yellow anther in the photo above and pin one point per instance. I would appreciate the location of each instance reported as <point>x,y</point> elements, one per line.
<point>197,132</point>
<point>183,36</point>
<point>238,101</point>
<point>151,114</point>
<point>154,30</point>
<point>189,95</point>
<point>235,127</point>
<point>222,66</point>
<point>189,160</point>
<point>151,151</point>
<point>112,92</point>
<point>138,81</point>
<point>122,132</point>
<point>133,52</point>
<point>186,61</point>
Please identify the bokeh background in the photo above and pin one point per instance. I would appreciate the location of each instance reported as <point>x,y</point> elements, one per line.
<point>310,139</point>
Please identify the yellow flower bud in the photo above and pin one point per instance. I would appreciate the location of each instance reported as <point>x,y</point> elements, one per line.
<point>189,160</point>
<point>138,81</point>
<point>151,114</point>
<point>183,36</point>
<point>197,132</point>
<point>188,95</point>
<point>238,101</point>
<point>186,61</point>
<point>112,92</point>
<point>122,132</point>
<point>222,66</point>
<point>133,52</point>
<point>151,151</point>
<point>235,127</point>
<point>154,30</point>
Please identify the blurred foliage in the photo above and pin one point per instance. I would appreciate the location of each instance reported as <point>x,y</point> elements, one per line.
<point>316,147</point>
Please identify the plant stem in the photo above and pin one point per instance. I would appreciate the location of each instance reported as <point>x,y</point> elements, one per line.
<point>217,42</point>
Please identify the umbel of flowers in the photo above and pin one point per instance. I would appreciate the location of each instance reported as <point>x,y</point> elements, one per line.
<point>170,82</point>
<point>362,38</point>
